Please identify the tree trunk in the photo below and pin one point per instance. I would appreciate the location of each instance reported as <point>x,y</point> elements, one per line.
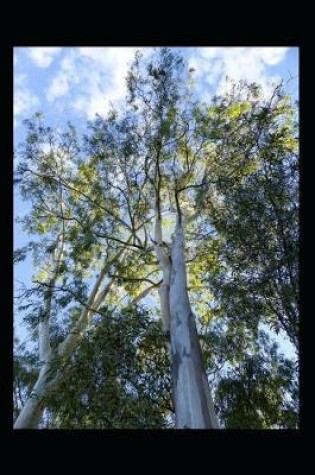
<point>34,407</point>
<point>193,403</point>
<point>32,411</point>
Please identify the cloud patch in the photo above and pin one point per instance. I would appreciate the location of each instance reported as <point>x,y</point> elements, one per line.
<point>42,57</point>
<point>86,80</point>
<point>90,78</point>
<point>25,101</point>
<point>213,65</point>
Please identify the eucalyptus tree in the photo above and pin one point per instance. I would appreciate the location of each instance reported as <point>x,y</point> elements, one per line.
<point>73,279</point>
<point>158,154</point>
<point>155,197</point>
<point>255,212</point>
<point>118,377</point>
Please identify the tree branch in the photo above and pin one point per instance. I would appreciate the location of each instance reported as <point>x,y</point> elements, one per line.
<point>139,279</point>
<point>145,292</point>
<point>70,341</point>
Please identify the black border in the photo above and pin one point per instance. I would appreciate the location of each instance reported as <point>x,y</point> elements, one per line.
<point>246,439</point>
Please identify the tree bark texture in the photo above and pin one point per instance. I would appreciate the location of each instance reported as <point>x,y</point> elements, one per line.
<point>193,402</point>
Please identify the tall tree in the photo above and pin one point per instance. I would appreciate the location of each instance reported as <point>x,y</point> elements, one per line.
<point>255,211</point>
<point>74,265</point>
<point>166,195</point>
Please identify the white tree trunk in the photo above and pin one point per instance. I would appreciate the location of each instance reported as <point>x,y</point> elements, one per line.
<point>32,411</point>
<point>193,403</point>
<point>163,257</point>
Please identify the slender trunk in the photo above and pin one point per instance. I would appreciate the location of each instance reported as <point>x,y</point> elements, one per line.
<point>162,254</point>
<point>32,411</point>
<point>193,403</point>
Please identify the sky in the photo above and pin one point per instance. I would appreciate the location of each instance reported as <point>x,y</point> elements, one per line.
<point>76,83</point>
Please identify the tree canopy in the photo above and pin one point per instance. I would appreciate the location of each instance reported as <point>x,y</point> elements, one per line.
<point>166,183</point>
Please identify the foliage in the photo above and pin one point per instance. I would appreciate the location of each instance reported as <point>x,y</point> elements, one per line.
<point>230,168</point>
<point>255,215</point>
<point>118,377</point>
<point>260,392</point>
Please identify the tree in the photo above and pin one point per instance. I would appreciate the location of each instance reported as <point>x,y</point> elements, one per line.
<point>260,379</point>
<point>67,261</point>
<point>150,200</point>
<point>117,378</point>
<point>256,213</point>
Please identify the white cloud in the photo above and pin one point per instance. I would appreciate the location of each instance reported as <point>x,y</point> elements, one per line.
<point>43,57</point>
<point>272,55</point>
<point>59,87</point>
<point>105,81</point>
<point>25,101</point>
<point>46,147</point>
<point>67,75</point>
<point>92,77</point>
<point>212,65</point>
<point>88,79</point>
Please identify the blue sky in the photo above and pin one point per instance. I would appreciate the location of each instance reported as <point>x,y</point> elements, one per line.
<point>75,83</point>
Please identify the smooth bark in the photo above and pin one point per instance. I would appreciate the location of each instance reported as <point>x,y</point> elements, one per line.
<point>32,411</point>
<point>162,253</point>
<point>193,402</point>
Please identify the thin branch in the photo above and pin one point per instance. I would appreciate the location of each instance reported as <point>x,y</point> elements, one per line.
<point>145,292</point>
<point>76,297</point>
<point>70,341</point>
<point>139,279</point>
<point>59,181</point>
